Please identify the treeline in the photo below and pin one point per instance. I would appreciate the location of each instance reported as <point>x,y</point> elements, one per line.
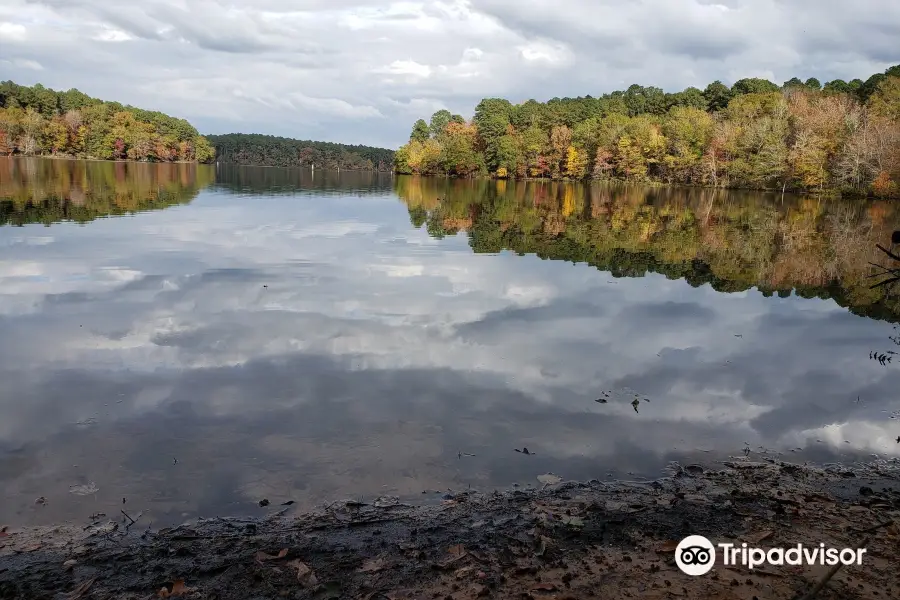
<point>734,241</point>
<point>40,121</point>
<point>271,151</point>
<point>802,136</point>
<point>35,190</point>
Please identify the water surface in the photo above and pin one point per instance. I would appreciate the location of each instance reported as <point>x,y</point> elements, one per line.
<point>196,338</point>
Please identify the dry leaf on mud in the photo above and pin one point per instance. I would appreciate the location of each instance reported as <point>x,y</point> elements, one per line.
<point>549,478</point>
<point>81,590</point>
<point>456,552</point>
<point>373,565</point>
<point>460,573</point>
<point>305,575</point>
<point>543,587</point>
<point>262,556</point>
<point>178,589</point>
<point>572,521</point>
<point>667,546</point>
<point>758,537</point>
<point>32,547</point>
<point>69,564</point>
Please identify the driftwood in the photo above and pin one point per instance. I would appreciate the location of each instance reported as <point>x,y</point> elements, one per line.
<point>894,274</point>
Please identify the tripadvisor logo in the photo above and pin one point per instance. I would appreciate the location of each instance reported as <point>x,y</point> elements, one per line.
<point>696,555</point>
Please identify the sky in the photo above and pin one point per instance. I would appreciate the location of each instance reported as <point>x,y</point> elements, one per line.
<point>358,71</point>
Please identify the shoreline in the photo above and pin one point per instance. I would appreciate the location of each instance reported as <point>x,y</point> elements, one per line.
<point>662,184</point>
<point>108,160</point>
<point>565,540</point>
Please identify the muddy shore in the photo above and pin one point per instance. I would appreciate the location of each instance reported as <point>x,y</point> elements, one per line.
<point>565,540</point>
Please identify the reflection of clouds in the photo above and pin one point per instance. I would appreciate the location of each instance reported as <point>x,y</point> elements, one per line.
<point>374,355</point>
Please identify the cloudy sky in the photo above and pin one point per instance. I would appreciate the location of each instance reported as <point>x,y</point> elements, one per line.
<point>361,71</point>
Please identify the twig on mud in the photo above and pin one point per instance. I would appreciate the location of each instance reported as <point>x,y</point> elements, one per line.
<point>831,572</point>
<point>129,518</point>
<point>279,513</point>
<point>875,528</point>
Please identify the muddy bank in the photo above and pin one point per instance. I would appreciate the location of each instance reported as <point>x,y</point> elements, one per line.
<point>567,540</point>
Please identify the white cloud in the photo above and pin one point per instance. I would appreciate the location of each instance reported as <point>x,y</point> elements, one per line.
<point>12,31</point>
<point>109,34</point>
<point>406,67</point>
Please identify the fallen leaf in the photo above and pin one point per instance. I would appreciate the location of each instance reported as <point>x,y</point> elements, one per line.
<point>460,573</point>
<point>305,575</point>
<point>32,547</point>
<point>543,587</point>
<point>667,546</point>
<point>572,521</point>
<point>70,563</point>
<point>373,565</point>
<point>758,537</point>
<point>456,551</point>
<point>81,590</point>
<point>288,503</point>
<point>549,478</point>
<point>178,589</point>
<point>262,556</point>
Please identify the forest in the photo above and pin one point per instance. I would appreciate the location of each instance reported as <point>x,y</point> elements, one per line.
<point>735,241</point>
<point>41,121</point>
<point>271,151</point>
<point>840,137</point>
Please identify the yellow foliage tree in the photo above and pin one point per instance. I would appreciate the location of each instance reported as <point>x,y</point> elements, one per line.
<point>576,162</point>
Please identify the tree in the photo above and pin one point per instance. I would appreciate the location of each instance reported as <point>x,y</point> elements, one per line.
<point>32,132</point>
<point>837,86</point>
<point>717,96</point>
<point>420,131</point>
<point>492,119</point>
<point>690,97</point>
<point>813,84</point>
<point>885,101</point>
<point>753,85</point>
<point>458,152</point>
<point>439,120</point>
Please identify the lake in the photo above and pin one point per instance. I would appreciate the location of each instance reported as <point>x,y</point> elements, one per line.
<point>196,338</point>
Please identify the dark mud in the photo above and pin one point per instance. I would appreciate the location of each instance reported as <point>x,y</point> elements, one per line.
<point>568,540</point>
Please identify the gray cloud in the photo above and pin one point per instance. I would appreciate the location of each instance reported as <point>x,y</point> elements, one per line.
<point>360,71</point>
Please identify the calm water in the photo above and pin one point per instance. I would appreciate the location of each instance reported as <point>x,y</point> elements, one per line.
<point>289,335</point>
